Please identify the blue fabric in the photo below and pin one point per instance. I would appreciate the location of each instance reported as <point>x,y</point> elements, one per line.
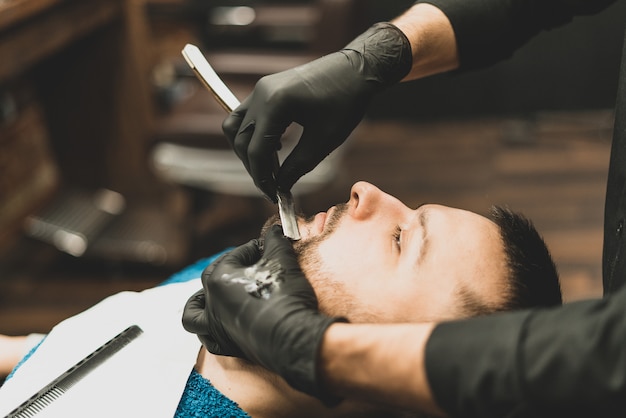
<point>192,271</point>
<point>200,398</point>
<point>26,357</point>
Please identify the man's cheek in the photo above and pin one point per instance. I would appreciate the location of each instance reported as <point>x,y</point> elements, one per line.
<point>336,258</point>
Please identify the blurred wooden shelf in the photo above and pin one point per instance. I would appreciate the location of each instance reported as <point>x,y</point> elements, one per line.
<point>34,30</point>
<point>15,11</point>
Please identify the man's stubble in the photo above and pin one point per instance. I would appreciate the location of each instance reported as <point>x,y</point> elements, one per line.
<point>334,297</point>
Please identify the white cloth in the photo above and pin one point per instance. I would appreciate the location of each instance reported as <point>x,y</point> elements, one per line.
<point>146,378</point>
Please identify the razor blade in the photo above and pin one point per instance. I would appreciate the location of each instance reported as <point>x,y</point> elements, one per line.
<point>226,98</point>
<point>287,212</point>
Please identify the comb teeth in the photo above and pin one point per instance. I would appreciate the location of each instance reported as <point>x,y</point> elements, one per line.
<point>38,404</point>
<point>55,389</point>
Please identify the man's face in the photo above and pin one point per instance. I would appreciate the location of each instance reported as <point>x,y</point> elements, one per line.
<point>376,260</point>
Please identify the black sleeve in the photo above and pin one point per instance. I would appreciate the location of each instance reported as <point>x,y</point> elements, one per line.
<point>568,361</point>
<point>488,31</point>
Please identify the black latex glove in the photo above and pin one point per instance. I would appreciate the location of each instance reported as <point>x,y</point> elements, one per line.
<point>327,97</point>
<point>262,308</point>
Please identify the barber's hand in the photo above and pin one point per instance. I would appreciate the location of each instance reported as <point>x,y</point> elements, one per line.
<point>262,308</point>
<point>197,316</point>
<point>328,97</point>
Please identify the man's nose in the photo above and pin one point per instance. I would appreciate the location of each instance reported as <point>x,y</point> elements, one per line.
<point>364,200</point>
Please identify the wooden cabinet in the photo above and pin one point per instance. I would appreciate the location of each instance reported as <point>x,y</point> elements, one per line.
<point>88,111</point>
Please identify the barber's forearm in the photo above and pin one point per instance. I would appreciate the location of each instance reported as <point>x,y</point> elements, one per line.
<point>432,40</point>
<point>384,363</point>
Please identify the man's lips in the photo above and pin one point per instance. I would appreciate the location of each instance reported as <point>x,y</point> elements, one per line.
<point>315,226</point>
<point>318,223</point>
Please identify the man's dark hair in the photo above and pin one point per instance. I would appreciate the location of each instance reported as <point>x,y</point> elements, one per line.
<point>534,280</point>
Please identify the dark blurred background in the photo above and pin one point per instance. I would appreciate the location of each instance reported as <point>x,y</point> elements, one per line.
<point>114,172</point>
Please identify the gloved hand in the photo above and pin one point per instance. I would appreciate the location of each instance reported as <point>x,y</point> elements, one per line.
<point>327,97</point>
<point>262,309</point>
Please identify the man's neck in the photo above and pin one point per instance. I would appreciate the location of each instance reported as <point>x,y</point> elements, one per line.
<point>263,394</point>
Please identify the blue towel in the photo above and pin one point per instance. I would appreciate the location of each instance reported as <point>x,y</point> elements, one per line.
<point>201,399</point>
<point>192,271</point>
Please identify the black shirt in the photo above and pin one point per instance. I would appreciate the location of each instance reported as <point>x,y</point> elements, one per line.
<point>488,31</point>
<point>563,362</point>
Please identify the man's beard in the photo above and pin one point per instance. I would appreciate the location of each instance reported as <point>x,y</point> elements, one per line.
<point>334,298</point>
